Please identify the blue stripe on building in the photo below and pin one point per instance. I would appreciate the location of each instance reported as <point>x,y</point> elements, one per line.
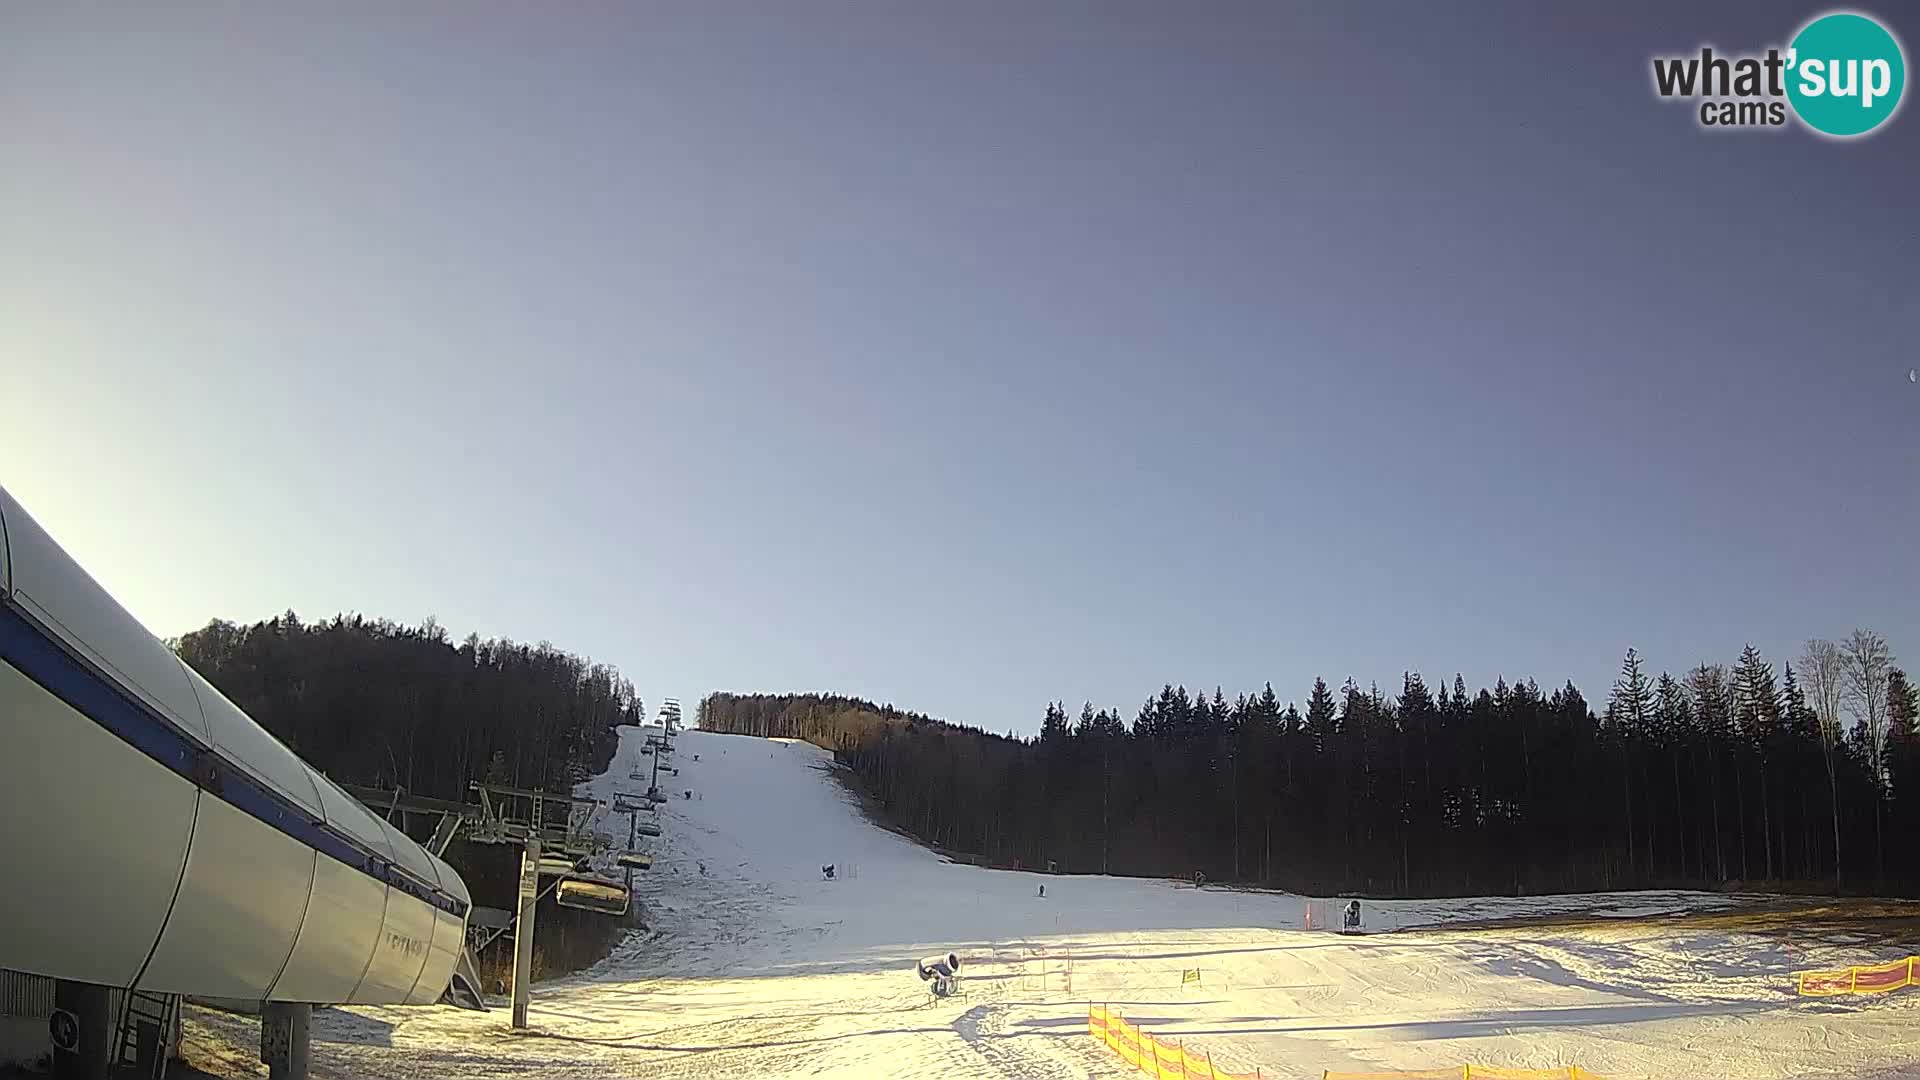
<point>92,694</point>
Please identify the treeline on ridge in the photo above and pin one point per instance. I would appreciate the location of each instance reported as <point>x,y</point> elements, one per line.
<point>375,702</point>
<point>1808,777</point>
<point>380,703</point>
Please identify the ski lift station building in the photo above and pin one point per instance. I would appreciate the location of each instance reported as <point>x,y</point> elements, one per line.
<point>160,840</point>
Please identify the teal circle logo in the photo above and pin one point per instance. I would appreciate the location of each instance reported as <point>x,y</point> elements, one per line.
<point>1845,74</point>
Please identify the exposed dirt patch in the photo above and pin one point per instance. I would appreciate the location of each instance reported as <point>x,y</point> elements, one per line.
<point>1870,922</point>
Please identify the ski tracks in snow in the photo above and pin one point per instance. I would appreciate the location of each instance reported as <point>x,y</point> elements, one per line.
<point>1026,1049</point>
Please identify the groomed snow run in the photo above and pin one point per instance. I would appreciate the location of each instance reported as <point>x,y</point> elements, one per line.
<point>754,965</point>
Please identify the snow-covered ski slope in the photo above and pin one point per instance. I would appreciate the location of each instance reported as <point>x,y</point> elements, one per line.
<point>754,965</point>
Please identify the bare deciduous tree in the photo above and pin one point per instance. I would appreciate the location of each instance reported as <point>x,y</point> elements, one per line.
<point>1867,661</point>
<point>1824,670</point>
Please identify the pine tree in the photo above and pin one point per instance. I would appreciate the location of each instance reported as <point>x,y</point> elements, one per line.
<point>1674,722</point>
<point>1267,708</point>
<point>1903,706</point>
<point>1320,715</point>
<point>1756,716</point>
<point>1630,709</point>
<point>1709,686</point>
<point>1180,712</point>
<point>1054,728</point>
<point>1903,751</point>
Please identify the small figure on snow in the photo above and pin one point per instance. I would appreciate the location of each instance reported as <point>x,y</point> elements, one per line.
<point>1043,891</point>
<point>827,871</point>
<point>1352,918</point>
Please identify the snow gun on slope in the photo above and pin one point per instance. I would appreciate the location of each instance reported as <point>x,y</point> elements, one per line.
<point>1350,919</point>
<point>943,972</point>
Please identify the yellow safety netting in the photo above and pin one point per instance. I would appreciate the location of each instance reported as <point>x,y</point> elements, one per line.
<point>1865,979</point>
<point>1165,1059</point>
<point>1471,1073</point>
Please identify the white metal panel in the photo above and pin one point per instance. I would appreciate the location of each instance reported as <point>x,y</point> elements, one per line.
<point>406,937</point>
<point>449,938</point>
<point>411,855</point>
<point>345,813</point>
<point>450,879</point>
<point>252,747</point>
<point>50,585</point>
<point>93,834</point>
<point>337,938</point>
<point>6,570</point>
<point>350,817</point>
<point>239,909</point>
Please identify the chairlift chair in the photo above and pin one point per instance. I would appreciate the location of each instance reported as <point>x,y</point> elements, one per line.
<point>647,828</point>
<point>593,894</point>
<point>635,860</point>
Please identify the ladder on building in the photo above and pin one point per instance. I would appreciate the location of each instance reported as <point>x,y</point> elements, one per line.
<point>144,1038</point>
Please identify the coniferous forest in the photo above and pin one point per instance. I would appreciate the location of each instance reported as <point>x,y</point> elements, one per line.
<point>1799,775</point>
<point>370,701</point>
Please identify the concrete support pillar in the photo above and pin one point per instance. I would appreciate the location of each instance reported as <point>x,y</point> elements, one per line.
<point>81,1028</point>
<point>286,1039</point>
<point>523,931</point>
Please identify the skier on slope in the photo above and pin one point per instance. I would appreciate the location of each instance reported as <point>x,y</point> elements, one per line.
<point>1352,917</point>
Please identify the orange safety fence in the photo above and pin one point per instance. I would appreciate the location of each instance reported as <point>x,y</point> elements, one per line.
<point>1865,979</point>
<point>1164,1059</point>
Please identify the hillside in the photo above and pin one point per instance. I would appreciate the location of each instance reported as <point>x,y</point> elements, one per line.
<point>754,964</point>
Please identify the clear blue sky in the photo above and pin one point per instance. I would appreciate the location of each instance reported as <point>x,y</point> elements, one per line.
<point>964,356</point>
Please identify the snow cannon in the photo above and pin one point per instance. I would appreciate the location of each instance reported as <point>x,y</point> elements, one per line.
<point>1351,919</point>
<point>942,971</point>
<point>931,967</point>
